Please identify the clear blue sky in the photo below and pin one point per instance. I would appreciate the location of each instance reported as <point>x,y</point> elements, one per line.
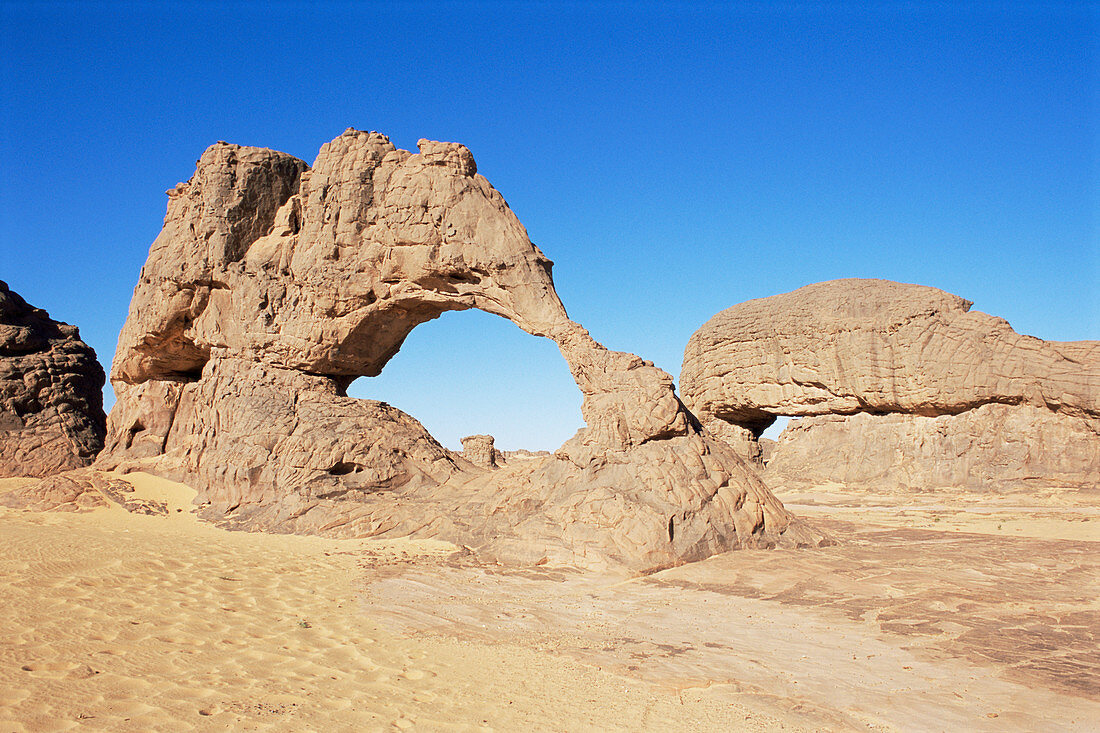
<point>673,159</point>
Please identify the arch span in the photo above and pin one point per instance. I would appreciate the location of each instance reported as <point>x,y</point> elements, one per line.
<point>289,301</point>
<point>470,373</point>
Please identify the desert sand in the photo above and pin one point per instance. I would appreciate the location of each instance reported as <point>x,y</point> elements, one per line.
<point>929,614</point>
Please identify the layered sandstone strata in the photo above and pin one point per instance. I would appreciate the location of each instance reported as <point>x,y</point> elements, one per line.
<point>51,400</point>
<point>273,285</point>
<point>994,446</point>
<point>937,394</point>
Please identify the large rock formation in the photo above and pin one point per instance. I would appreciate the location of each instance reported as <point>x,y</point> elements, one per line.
<point>938,395</point>
<point>51,399</point>
<point>273,285</point>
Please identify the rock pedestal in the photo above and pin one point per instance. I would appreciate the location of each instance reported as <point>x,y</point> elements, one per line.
<point>479,450</point>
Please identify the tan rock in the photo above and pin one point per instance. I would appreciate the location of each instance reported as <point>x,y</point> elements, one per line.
<point>78,490</point>
<point>894,356</point>
<point>51,403</point>
<point>848,346</point>
<point>212,220</point>
<point>743,440</point>
<point>139,423</point>
<point>767,449</point>
<point>273,286</point>
<point>479,450</point>
<point>521,454</point>
<point>995,447</point>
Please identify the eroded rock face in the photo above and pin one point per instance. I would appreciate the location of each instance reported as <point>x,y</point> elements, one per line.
<point>51,403</point>
<point>480,450</point>
<point>273,286</point>
<point>939,395</point>
<point>997,447</point>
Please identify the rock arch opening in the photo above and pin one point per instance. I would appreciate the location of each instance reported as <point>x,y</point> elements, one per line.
<point>774,430</point>
<point>371,246</point>
<point>470,372</point>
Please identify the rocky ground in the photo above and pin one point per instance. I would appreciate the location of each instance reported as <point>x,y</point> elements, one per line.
<point>931,613</point>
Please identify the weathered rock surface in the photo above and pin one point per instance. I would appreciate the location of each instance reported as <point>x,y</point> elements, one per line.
<point>766,447</point>
<point>938,395</point>
<point>997,447</point>
<point>480,450</point>
<point>78,490</point>
<point>273,285</point>
<point>743,440</point>
<point>521,454</point>
<point>848,346</point>
<point>51,403</point>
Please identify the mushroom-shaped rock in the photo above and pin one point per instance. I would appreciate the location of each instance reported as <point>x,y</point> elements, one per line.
<point>939,395</point>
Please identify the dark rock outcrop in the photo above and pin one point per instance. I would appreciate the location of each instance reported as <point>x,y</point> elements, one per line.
<point>51,399</point>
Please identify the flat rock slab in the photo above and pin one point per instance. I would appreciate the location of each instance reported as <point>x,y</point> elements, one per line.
<point>895,628</point>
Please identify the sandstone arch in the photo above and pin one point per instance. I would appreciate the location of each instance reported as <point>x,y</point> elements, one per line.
<point>273,284</point>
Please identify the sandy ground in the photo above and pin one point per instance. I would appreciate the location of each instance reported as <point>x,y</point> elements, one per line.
<point>976,613</point>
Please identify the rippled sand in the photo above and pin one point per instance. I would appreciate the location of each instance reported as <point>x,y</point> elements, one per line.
<point>931,617</point>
